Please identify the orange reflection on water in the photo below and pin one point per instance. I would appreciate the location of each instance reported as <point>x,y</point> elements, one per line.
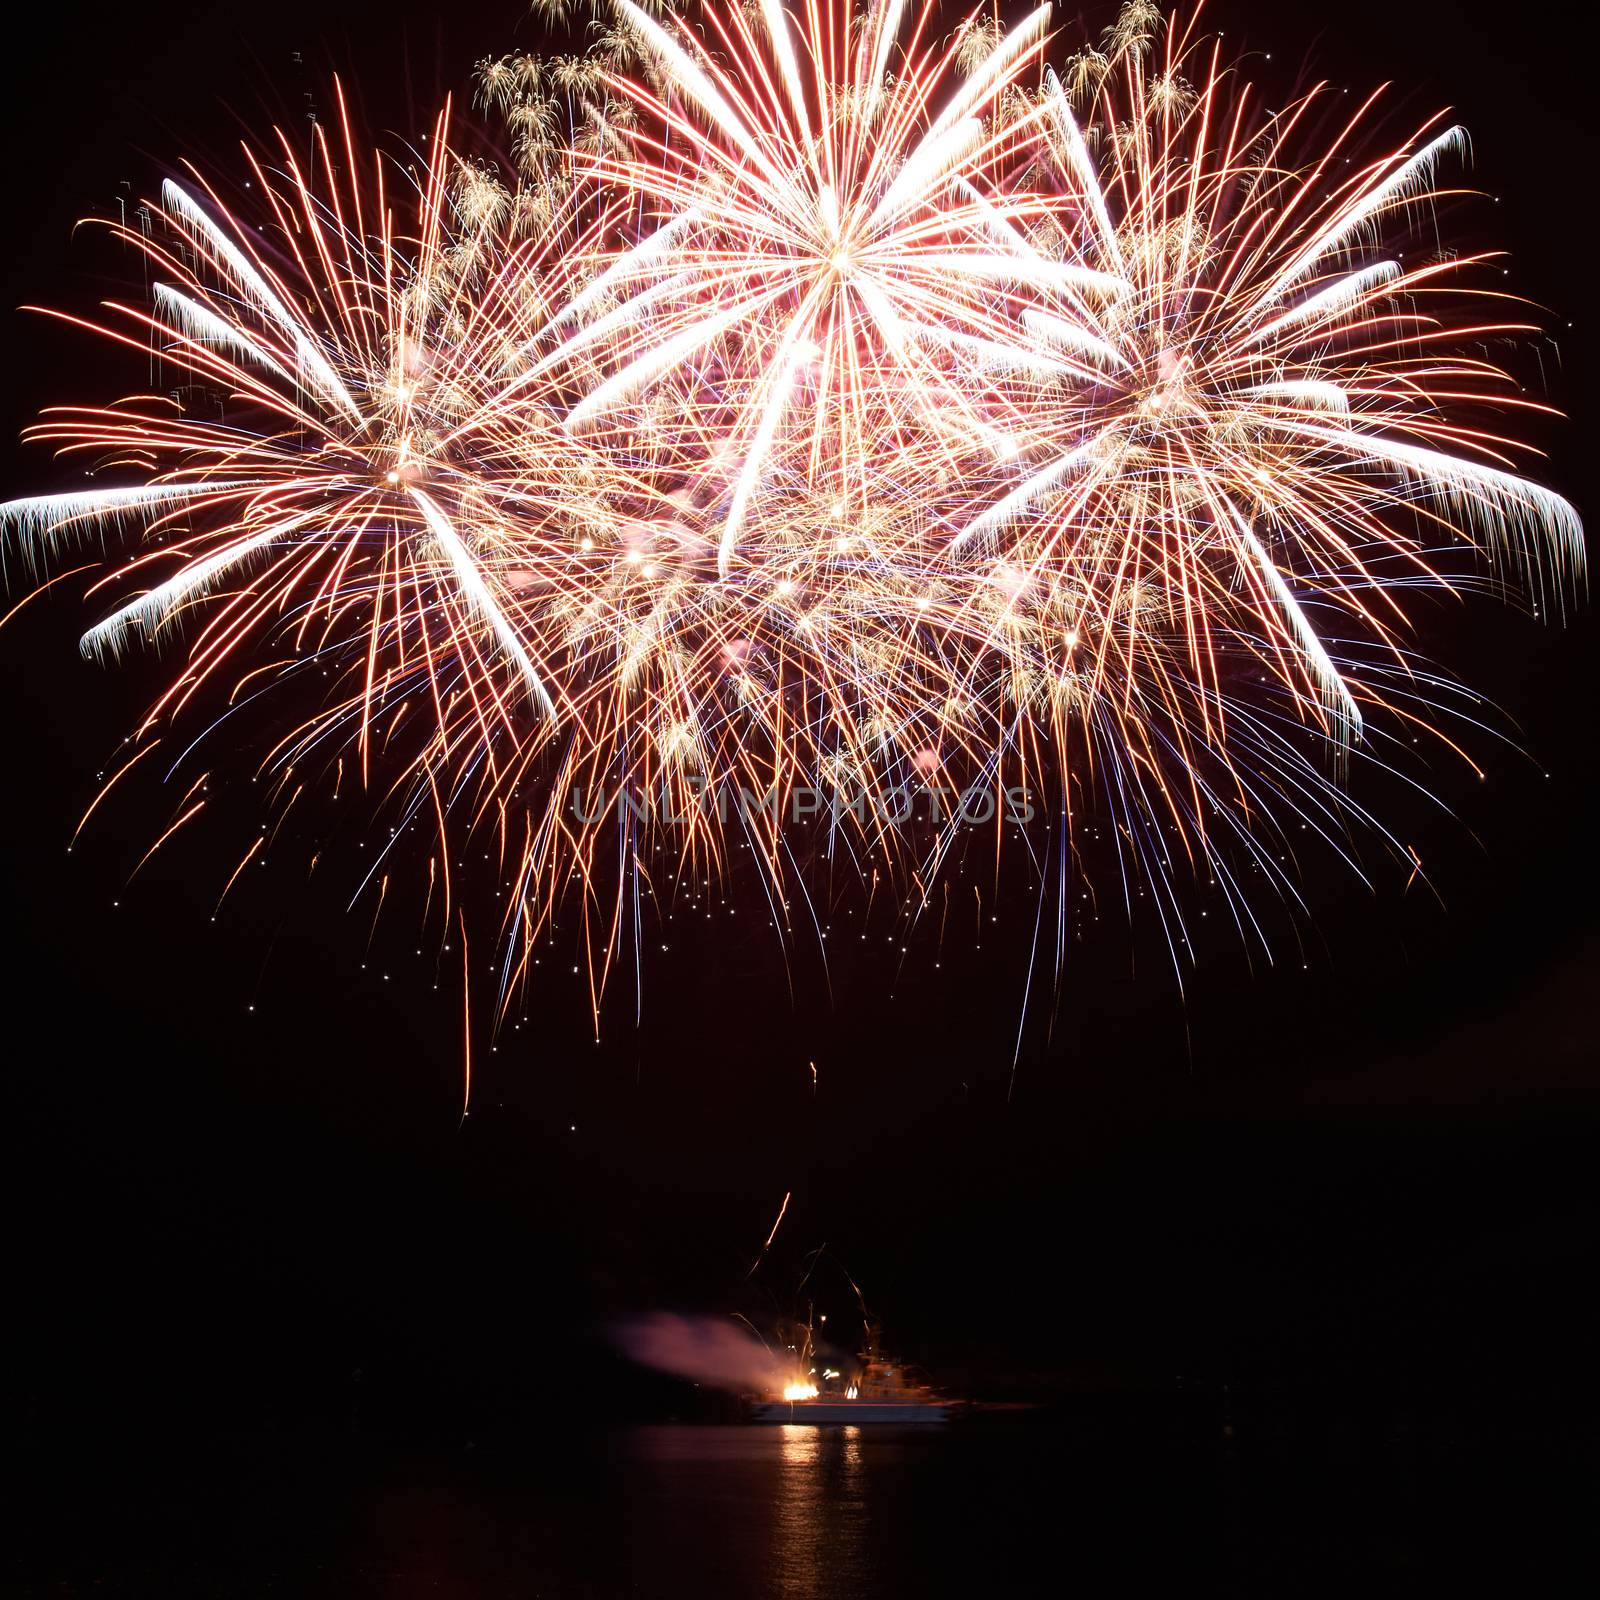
<point>820,1526</point>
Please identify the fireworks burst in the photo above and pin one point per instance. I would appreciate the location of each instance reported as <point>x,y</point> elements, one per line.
<point>815,404</point>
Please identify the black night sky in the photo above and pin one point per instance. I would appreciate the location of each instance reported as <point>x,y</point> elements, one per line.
<point>242,1199</point>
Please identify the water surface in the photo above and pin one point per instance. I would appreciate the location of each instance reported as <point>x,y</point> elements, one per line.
<point>1266,1505</point>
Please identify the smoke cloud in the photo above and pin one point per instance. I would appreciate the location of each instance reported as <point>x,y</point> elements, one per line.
<point>705,1349</point>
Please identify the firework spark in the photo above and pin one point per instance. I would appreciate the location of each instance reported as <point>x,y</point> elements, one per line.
<point>816,405</point>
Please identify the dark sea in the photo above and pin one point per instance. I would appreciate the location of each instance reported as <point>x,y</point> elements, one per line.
<point>1128,1500</point>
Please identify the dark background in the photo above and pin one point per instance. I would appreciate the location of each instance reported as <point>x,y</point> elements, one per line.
<point>242,1193</point>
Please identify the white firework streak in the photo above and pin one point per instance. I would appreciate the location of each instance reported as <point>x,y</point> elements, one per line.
<point>925,169</point>
<point>480,600</point>
<point>1336,697</point>
<point>789,66</point>
<point>798,350</point>
<point>653,363</point>
<point>1310,393</point>
<point>151,611</point>
<point>191,320</point>
<point>1006,511</point>
<point>888,30</point>
<point>45,515</point>
<point>602,328</point>
<point>1411,176</point>
<point>1487,496</point>
<point>1337,297</point>
<point>1045,272</point>
<point>1069,336</point>
<point>314,365</point>
<point>695,83</point>
<point>986,78</point>
<point>989,355</point>
<point>1084,168</point>
<point>648,248</point>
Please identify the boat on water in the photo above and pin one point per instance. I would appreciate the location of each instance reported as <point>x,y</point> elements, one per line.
<point>872,1388</point>
<point>849,1413</point>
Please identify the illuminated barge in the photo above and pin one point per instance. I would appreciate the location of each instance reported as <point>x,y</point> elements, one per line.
<point>871,1389</point>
